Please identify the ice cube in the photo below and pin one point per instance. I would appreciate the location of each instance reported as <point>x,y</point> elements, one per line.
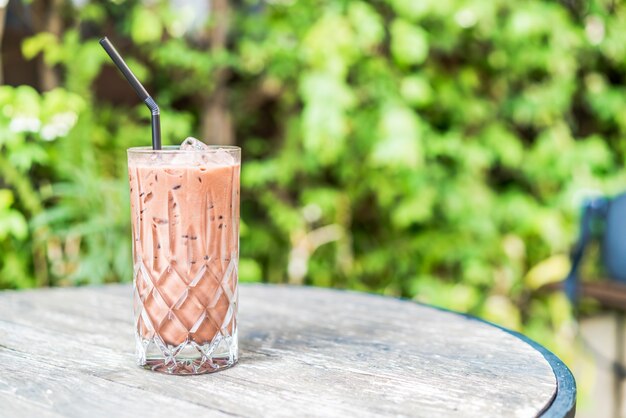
<point>213,156</point>
<point>220,157</point>
<point>192,144</point>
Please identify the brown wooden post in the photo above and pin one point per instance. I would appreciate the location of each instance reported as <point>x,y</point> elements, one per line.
<point>46,18</point>
<point>216,124</point>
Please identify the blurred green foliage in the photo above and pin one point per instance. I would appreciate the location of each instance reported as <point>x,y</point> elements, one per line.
<point>432,149</point>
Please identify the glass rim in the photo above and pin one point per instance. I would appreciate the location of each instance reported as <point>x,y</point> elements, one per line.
<point>175,149</point>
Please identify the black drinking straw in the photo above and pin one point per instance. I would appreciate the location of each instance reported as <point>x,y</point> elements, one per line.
<point>141,91</point>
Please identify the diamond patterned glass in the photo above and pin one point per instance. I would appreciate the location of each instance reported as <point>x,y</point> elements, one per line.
<point>185,228</point>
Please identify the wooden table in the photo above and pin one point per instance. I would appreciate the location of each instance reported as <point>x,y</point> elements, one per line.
<point>304,352</point>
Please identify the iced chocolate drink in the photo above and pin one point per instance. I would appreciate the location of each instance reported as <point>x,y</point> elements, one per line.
<point>185,228</point>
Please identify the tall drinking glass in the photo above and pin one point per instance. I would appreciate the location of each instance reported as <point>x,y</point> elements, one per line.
<point>185,229</point>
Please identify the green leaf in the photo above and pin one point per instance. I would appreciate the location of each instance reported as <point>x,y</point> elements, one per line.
<point>329,45</point>
<point>41,42</point>
<point>366,23</point>
<point>93,12</point>
<point>415,209</point>
<point>502,311</point>
<point>324,126</point>
<point>411,9</point>
<point>13,223</point>
<point>550,270</point>
<point>145,25</point>
<point>249,271</point>
<point>409,44</point>
<point>6,199</point>
<point>400,139</point>
<point>26,154</point>
<point>416,90</point>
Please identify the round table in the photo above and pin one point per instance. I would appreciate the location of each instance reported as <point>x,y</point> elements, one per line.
<point>303,352</point>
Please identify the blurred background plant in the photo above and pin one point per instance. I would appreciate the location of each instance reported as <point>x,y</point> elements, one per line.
<point>433,149</point>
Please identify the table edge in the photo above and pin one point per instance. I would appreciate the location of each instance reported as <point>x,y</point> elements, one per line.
<point>563,404</point>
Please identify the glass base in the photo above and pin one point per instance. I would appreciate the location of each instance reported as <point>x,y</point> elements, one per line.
<point>188,358</point>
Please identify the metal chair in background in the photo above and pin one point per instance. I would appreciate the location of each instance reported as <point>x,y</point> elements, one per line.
<point>603,220</point>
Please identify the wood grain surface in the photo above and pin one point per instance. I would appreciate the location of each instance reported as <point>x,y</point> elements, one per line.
<point>304,352</point>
